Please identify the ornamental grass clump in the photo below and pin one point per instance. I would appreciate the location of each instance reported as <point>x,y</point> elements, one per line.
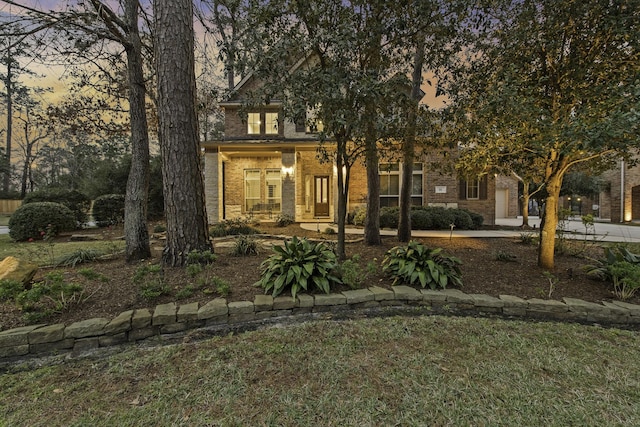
<point>416,263</point>
<point>299,265</point>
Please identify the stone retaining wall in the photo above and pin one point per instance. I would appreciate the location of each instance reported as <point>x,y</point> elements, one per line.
<point>168,319</point>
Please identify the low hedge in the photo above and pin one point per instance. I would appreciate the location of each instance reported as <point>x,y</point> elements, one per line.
<point>425,218</point>
<point>108,210</point>
<point>38,220</point>
<point>76,201</point>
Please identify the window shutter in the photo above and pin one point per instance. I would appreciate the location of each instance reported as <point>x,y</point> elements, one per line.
<point>462,189</point>
<point>483,187</point>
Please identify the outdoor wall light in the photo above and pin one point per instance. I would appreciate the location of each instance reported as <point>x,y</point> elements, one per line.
<point>287,172</point>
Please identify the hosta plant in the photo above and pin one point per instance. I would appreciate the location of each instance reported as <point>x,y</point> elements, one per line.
<point>299,265</point>
<point>416,263</point>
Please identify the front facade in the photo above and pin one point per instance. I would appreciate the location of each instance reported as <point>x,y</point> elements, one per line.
<point>620,200</point>
<point>267,166</point>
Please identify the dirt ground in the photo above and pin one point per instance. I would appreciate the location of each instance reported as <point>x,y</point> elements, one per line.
<point>485,269</point>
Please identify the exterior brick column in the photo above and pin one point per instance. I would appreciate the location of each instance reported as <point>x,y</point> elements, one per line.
<point>288,185</point>
<point>212,187</point>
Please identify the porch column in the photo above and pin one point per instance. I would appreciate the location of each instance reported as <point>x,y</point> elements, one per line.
<point>289,183</point>
<point>212,186</point>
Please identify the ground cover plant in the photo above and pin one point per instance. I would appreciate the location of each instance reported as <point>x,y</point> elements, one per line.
<point>407,371</point>
<point>232,277</point>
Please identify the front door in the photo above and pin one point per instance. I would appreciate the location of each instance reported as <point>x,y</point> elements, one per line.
<point>321,196</point>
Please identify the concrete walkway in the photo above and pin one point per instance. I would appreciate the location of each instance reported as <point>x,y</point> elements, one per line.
<point>602,231</point>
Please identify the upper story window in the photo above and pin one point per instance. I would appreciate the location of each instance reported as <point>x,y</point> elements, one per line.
<point>315,125</point>
<point>253,123</point>
<point>271,123</point>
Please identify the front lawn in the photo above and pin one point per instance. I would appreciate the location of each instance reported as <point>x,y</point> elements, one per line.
<point>385,371</point>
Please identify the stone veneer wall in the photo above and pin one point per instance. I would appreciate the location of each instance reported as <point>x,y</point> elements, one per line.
<point>169,319</point>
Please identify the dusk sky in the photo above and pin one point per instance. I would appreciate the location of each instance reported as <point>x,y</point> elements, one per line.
<point>55,75</point>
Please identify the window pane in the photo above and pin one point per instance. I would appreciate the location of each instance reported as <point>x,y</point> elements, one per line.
<point>251,188</point>
<point>394,184</point>
<point>389,201</point>
<point>271,123</point>
<point>274,189</point>
<point>253,123</point>
<point>416,184</point>
<point>389,167</point>
<point>473,189</point>
<point>417,166</point>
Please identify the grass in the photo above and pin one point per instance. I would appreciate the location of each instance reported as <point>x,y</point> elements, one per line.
<point>4,219</point>
<point>391,371</point>
<point>43,253</point>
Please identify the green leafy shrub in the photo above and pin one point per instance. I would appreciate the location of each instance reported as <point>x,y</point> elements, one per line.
<point>76,201</point>
<point>430,218</point>
<point>108,210</point>
<point>389,217</point>
<point>441,218</point>
<point>9,289</point>
<point>358,215</point>
<point>352,273</point>
<point>298,265</point>
<point>621,267</point>
<point>625,277</point>
<point>462,220</point>
<point>222,287</point>
<point>40,220</point>
<point>476,218</point>
<point>50,295</point>
<point>244,246</point>
<point>194,269</point>
<point>201,257</point>
<point>421,219</point>
<point>232,227</point>
<point>415,263</point>
<point>150,279</point>
<point>329,230</point>
<point>186,292</point>
<point>282,220</point>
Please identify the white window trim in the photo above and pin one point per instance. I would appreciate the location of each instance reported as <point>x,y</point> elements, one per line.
<point>470,188</point>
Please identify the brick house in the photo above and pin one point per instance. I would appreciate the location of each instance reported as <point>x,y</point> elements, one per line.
<point>620,200</point>
<point>266,166</point>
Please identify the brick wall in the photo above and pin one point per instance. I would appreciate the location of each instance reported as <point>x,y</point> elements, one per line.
<point>610,201</point>
<point>236,127</point>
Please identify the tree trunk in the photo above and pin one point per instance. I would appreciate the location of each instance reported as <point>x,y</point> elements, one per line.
<point>549,224</point>
<point>178,130</point>
<point>408,149</point>
<point>343,188</point>
<point>135,207</point>
<point>27,157</point>
<point>372,219</point>
<point>525,204</point>
<point>9,86</point>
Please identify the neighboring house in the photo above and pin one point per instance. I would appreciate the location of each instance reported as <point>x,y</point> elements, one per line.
<point>620,201</point>
<point>266,166</point>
